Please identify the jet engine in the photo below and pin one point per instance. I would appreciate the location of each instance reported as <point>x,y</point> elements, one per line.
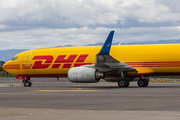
<point>84,75</point>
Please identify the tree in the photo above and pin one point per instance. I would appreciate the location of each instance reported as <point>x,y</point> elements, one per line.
<point>1,69</point>
<point>1,63</point>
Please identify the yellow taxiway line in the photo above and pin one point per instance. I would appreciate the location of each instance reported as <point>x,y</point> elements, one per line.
<point>94,84</point>
<point>79,90</point>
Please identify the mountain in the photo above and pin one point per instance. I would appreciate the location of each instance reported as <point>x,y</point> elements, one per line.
<point>6,55</point>
<point>154,42</point>
<point>137,43</point>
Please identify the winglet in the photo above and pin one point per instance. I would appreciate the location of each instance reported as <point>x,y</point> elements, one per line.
<point>107,45</point>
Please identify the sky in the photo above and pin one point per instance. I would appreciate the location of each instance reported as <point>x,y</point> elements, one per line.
<point>29,24</point>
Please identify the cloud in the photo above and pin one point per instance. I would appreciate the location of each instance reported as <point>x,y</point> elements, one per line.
<point>46,23</point>
<point>85,13</point>
<point>39,38</point>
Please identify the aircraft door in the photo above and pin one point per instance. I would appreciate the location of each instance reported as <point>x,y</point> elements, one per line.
<point>28,58</point>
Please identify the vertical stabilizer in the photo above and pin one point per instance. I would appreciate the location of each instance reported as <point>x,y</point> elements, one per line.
<point>107,45</point>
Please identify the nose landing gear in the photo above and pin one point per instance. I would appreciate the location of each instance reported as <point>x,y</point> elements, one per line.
<point>27,82</point>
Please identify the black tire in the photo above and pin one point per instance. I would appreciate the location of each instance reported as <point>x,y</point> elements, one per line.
<point>146,82</point>
<point>123,83</point>
<point>143,83</point>
<point>27,84</point>
<point>127,83</point>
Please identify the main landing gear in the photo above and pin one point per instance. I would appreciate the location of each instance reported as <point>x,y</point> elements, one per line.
<point>27,83</point>
<point>123,83</point>
<point>142,82</point>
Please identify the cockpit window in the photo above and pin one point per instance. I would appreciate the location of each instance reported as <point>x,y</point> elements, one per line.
<point>14,58</point>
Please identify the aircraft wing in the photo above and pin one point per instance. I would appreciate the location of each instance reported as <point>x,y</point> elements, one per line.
<point>106,63</point>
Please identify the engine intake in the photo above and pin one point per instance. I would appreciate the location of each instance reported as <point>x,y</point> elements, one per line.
<point>84,75</point>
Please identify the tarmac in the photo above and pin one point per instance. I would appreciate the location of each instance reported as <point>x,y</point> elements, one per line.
<point>52,99</point>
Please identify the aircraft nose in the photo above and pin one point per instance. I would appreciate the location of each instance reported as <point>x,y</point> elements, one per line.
<point>5,66</point>
<point>10,66</point>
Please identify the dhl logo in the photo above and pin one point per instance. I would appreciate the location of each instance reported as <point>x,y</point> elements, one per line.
<point>60,60</point>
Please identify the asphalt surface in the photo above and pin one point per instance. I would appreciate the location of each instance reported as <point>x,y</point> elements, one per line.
<point>52,99</point>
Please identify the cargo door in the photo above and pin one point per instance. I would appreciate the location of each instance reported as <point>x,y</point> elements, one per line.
<point>28,58</point>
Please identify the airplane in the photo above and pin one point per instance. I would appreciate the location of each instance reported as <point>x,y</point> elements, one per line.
<point>90,64</point>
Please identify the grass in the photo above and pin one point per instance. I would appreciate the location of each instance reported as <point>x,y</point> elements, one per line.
<point>6,74</point>
<point>164,81</point>
<point>3,73</point>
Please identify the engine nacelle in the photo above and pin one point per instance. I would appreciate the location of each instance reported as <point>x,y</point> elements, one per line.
<point>84,75</point>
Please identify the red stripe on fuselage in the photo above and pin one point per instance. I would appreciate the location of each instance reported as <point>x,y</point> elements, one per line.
<point>24,66</point>
<point>113,75</point>
<point>15,66</point>
<point>154,64</point>
<point>42,75</point>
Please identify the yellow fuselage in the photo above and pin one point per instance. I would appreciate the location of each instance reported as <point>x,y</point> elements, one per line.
<point>55,62</point>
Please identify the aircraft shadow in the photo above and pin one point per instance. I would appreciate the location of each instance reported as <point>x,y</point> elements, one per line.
<point>116,87</point>
<point>110,87</point>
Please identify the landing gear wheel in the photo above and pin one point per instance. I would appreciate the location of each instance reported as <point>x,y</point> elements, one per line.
<point>123,83</point>
<point>146,82</point>
<point>27,84</point>
<point>143,83</point>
